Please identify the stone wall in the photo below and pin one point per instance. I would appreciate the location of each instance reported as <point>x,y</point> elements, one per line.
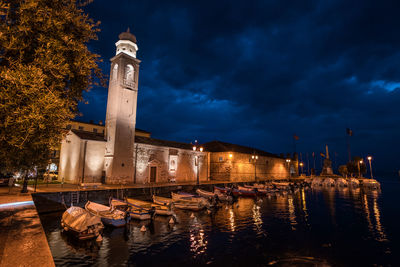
<point>161,157</point>
<point>81,158</point>
<point>240,167</point>
<point>70,166</point>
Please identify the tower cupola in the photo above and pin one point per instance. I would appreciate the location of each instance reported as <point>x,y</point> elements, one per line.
<point>127,44</point>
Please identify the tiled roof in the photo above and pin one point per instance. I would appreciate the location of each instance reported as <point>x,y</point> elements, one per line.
<point>89,135</point>
<point>158,142</point>
<point>218,146</point>
<point>102,125</point>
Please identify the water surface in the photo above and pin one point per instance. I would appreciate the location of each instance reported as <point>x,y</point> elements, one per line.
<point>324,227</point>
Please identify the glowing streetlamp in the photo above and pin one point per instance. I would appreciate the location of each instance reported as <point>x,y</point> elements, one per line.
<point>359,169</point>
<point>255,158</point>
<point>288,164</point>
<point>195,148</point>
<point>370,166</point>
<point>301,166</point>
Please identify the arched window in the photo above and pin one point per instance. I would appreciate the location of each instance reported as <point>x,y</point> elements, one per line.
<point>129,73</point>
<point>115,72</point>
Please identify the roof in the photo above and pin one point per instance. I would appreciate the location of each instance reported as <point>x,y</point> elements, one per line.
<point>127,36</point>
<point>89,135</point>
<point>218,146</point>
<point>102,125</point>
<point>158,142</point>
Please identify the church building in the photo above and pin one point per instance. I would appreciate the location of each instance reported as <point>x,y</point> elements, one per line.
<point>119,153</point>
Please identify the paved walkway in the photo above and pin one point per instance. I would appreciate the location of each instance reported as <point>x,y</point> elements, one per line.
<point>22,238</point>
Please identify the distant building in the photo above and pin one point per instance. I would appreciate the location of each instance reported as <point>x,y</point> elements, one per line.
<point>119,153</point>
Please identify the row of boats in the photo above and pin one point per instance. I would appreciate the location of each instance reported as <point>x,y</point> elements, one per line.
<point>89,222</point>
<point>342,182</point>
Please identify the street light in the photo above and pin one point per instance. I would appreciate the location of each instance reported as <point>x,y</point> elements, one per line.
<point>288,162</point>
<point>255,158</point>
<point>359,169</point>
<point>370,166</point>
<point>301,166</point>
<point>195,148</point>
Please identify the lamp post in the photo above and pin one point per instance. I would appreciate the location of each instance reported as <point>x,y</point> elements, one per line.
<point>301,166</point>
<point>370,166</point>
<point>288,164</point>
<point>359,168</point>
<point>255,158</point>
<point>195,148</point>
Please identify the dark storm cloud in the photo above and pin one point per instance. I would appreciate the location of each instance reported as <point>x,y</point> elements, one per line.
<point>256,72</point>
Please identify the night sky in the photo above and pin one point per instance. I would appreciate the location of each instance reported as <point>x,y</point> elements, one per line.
<point>257,72</point>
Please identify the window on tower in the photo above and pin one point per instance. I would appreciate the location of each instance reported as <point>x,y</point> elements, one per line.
<point>129,76</point>
<point>115,72</point>
<point>129,72</point>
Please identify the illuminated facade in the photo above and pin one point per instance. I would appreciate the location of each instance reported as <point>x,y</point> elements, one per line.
<point>119,153</point>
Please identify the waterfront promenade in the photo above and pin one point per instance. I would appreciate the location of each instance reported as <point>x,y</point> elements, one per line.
<point>22,238</point>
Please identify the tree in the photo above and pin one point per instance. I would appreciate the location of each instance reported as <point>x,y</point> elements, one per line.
<point>343,170</point>
<point>45,66</point>
<point>353,166</point>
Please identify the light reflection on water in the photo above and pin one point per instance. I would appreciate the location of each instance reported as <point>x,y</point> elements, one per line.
<point>335,226</point>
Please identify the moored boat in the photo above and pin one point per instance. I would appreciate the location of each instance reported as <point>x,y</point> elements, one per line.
<point>135,212</point>
<point>188,197</point>
<point>328,182</point>
<point>221,196</point>
<point>189,205</point>
<point>162,200</point>
<point>281,185</point>
<point>159,209</point>
<point>341,182</point>
<point>353,182</point>
<point>111,217</point>
<point>316,182</point>
<point>224,190</point>
<point>81,223</point>
<point>244,192</point>
<point>371,184</point>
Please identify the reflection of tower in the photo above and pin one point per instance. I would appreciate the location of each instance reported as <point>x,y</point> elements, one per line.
<point>121,111</point>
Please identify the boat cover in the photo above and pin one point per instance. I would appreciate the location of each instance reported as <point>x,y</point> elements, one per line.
<point>79,219</point>
<point>104,211</point>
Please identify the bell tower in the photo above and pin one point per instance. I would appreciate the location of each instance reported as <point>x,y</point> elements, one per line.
<point>121,111</point>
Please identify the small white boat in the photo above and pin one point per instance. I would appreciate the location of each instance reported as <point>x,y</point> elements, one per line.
<point>353,182</point>
<point>182,203</point>
<point>108,216</point>
<point>81,223</point>
<point>316,182</point>
<point>281,185</point>
<point>138,213</point>
<point>162,200</point>
<point>371,184</point>
<point>207,194</point>
<point>328,182</point>
<point>188,197</point>
<point>340,182</point>
<point>189,205</point>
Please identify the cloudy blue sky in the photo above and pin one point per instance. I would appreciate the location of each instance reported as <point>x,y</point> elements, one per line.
<point>257,72</point>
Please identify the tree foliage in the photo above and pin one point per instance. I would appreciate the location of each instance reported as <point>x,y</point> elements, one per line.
<point>343,170</point>
<point>45,66</point>
<point>352,167</point>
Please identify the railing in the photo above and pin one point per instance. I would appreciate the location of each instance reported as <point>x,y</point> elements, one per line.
<point>128,84</point>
